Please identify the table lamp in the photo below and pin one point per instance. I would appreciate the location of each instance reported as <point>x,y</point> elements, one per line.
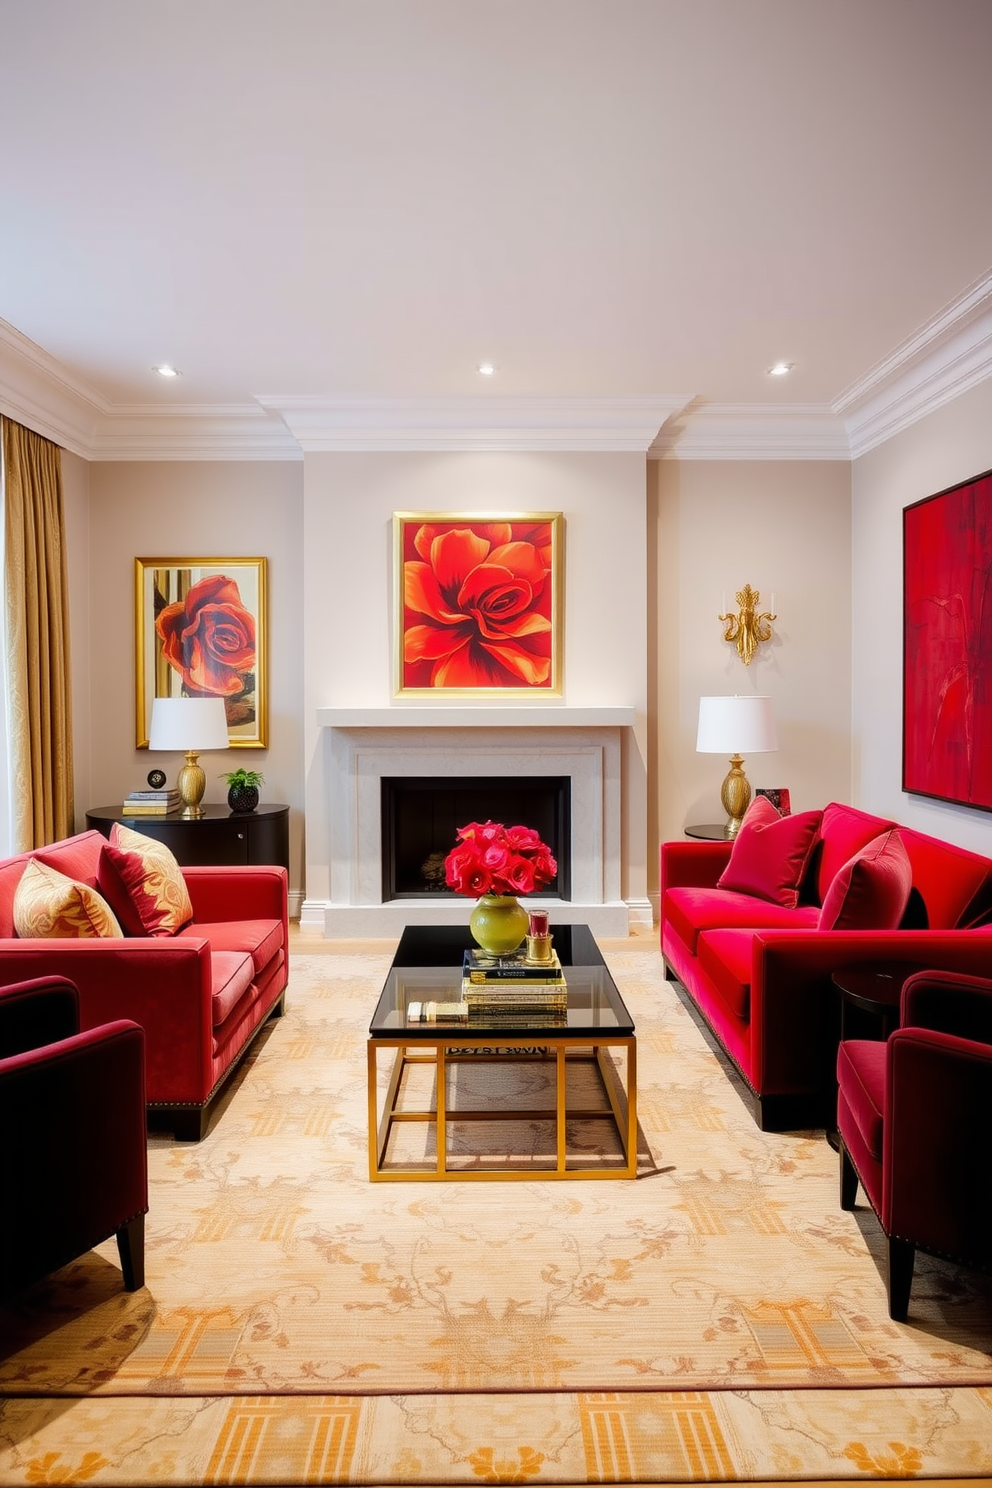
<point>189,724</point>
<point>735,726</point>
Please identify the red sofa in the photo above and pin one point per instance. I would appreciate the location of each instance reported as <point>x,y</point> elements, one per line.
<point>759,972</point>
<point>200,995</point>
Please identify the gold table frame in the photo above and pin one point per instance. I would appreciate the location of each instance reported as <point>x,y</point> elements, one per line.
<point>453,1045</point>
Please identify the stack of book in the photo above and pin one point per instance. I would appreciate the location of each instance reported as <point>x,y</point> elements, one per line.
<point>513,988</point>
<point>151,803</point>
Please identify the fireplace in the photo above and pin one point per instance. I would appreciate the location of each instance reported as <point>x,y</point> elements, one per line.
<point>420,817</point>
<point>362,747</point>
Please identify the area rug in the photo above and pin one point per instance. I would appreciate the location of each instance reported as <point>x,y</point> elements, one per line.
<point>721,1317</point>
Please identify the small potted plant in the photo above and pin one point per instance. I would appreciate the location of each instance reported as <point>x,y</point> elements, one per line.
<point>242,789</point>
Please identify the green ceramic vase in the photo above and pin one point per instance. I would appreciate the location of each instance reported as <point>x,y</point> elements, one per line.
<point>498,923</point>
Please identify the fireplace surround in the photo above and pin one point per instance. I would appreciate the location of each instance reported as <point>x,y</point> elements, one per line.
<point>421,818</point>
<point>359,747</point>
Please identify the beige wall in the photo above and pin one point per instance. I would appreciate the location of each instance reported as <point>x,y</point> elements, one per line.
<point>348,565</point>
<point>948,446</point>
<point>179,508</point>
<point>664,546</point>
<point>785,528</point>
<point>825,537</point>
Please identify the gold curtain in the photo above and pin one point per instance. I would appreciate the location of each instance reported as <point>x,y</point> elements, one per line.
<point>36,598</point>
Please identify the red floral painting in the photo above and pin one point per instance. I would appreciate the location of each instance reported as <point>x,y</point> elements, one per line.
<point>478,602</point>
<point>947,646</point>
<point>201,633</point>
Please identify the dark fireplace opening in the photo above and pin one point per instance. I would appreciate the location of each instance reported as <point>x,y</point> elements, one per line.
<point>420,818</point>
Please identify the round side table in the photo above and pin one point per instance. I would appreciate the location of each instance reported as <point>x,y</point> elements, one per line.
<point>708,831</point>
<point>870,992</point>
<point>869,996</point>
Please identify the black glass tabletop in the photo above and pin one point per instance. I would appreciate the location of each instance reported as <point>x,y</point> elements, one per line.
<point>423,991</point>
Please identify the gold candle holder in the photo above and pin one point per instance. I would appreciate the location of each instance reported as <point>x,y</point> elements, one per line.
<point>539,938</point>
<point>539,949</point>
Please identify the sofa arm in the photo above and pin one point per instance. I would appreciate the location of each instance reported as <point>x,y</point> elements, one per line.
<point>163,984</point>
<point>949,1002</point>
<point>74,1160</point>
<point>37,1012</point>
<point>86,1098</point>
<point>237,893</point>
<point>794,1011</point>
<point>938,1098</point>
<point>692,865</point>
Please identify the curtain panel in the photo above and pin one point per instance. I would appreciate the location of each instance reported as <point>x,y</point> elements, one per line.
<point>36,617</point>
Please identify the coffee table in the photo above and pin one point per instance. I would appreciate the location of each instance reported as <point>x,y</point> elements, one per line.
<point>592,1053</point>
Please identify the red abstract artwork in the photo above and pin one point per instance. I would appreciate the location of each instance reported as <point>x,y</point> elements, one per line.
<point>478,601</point>
<point>947,645</point>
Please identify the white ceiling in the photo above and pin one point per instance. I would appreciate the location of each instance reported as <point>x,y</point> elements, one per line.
<point>327,212</point>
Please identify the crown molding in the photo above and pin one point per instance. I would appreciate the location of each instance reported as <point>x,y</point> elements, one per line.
<point>40,393</point>
<point>948,355</point>
<point>204,432</point>
<point>474,423</point>
<point>749,431</point>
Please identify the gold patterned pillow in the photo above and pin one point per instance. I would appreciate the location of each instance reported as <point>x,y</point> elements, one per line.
<point>153,879</point>
<point>49,906</point>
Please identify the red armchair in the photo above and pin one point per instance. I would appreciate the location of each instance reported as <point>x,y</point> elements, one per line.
<point>74,1143</point>
<point>915,1125</point>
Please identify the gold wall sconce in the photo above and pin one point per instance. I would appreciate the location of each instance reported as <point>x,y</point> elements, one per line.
<point>751,626</point>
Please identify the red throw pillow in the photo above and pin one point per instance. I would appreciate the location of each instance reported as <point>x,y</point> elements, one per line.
<point>872,889</point>
<point>153,879</point>
<point>770,853</point>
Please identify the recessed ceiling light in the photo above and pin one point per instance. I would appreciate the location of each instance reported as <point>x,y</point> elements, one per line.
<point>781,369</point>
<point>166,371</point>
<point>486,369</point>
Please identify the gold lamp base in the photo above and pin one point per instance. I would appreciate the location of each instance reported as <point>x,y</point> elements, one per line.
<point>735,795</point>
<point>191,783</point>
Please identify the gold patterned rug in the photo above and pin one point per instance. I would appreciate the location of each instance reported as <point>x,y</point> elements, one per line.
<point>721,1317</point>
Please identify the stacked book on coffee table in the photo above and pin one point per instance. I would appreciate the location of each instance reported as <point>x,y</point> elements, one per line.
<point>502,992</point>
<point>513,989</point>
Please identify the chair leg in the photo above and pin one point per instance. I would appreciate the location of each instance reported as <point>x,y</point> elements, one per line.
<point>901,1255</point>
<point>131,1249</point>
<point>848,1177</point>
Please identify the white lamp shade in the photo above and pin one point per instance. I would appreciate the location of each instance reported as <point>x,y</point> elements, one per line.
<point>188,723</point>
<point>736,725</point>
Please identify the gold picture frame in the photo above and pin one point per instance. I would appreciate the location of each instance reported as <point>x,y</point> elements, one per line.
<point>478,604</point>
<point>201,630</point>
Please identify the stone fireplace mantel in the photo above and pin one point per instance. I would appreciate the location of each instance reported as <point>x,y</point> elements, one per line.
<point>480,716</point>
<point>362,745</point>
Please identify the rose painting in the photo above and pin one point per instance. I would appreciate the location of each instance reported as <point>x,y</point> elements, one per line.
<point>478,601</point>
<point>200,632</point>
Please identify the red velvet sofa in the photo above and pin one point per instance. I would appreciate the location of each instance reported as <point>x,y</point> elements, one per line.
<point>200,995</point>
<point>759,972</point>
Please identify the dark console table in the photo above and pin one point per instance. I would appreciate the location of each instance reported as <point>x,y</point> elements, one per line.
<point>220,837</point>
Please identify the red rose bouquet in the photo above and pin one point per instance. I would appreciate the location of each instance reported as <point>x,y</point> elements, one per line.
<point>493,859</point>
